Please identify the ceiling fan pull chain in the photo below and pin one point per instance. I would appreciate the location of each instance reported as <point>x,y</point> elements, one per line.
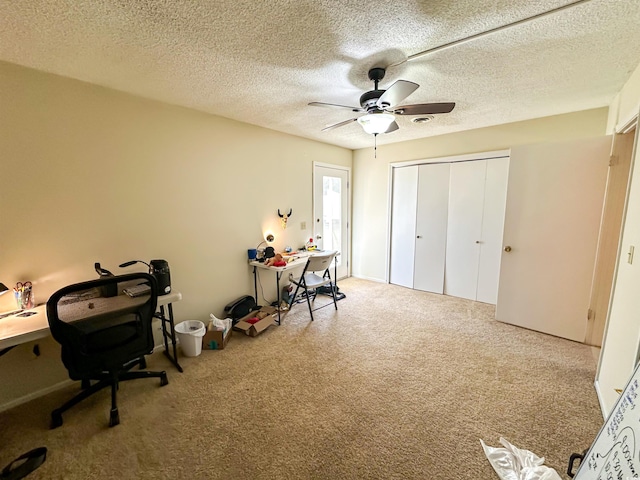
<point>375,146</point>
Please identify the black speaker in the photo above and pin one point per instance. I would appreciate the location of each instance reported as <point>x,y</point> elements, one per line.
<point>160,270</point>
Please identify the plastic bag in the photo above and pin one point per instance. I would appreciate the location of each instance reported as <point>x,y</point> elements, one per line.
<point>512,463</point>
<point>219,324</point>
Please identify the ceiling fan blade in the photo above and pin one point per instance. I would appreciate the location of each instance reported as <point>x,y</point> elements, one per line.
<point>340,124</point>
<point>393,127</point>
<point>335,105</point>
<point>424,108</point>
<point>397,92</point>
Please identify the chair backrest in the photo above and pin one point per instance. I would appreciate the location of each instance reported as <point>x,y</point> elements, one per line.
<point>99,326</point>
<point>319,262</point>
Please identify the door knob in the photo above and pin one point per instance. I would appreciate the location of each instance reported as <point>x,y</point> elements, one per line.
<point>419,236</point>
<point>319,237</point>
<point>507,249</point>
<point>477,241</point>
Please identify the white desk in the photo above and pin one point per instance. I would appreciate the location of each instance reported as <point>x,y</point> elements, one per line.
<point>297,260</point>
<point>16,329</point>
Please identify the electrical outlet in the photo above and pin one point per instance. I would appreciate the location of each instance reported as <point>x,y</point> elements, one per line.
<point>303,225</point>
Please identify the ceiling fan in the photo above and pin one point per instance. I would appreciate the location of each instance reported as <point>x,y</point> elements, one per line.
<point>381,106</point>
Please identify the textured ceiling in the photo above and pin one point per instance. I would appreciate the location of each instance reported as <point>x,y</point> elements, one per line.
<point>263,62</point>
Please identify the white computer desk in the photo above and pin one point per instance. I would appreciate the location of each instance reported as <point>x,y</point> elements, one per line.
<point>32,324</point>
<point>298,259</point>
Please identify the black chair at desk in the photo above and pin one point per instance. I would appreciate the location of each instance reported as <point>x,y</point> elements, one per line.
<point>104,334</point>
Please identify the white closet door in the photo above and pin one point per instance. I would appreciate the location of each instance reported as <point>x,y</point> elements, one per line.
<point>466,199</point>
<point>495,199</point>
<point>431,230</point>
<point>403,225</point>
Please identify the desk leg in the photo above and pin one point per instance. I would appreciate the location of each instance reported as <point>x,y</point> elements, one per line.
<point>171,333</point>
<point>255,283</point>
<point>278,275</point>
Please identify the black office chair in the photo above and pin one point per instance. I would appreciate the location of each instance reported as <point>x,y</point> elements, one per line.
<point>310,281</point>
<point>104,333</point>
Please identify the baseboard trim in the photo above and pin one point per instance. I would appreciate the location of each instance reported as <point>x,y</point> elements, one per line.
<point>596,385</point>
<point>372,279</point>
<point>45,391</point>
<point>157,348</point>
<point>34,395</point>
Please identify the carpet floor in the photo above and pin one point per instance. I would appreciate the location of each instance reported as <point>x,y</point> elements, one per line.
<point>395,384</point>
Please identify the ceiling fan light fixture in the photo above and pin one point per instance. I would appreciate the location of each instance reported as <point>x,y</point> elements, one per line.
<point>375,123</point>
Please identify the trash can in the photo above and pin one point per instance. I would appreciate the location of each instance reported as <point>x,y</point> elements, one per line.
<point>190,333</point>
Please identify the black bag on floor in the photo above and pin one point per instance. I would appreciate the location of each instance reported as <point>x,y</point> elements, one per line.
<point>240,307</point>
<point>327,289</point>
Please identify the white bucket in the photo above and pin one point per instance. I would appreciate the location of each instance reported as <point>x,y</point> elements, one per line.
<point>190,333</point>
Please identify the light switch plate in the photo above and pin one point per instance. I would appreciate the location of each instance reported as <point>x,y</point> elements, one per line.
<point>303,225</point>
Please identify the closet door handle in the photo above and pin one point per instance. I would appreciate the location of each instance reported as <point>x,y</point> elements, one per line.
<point>419,236</point>
<point>507,249</point>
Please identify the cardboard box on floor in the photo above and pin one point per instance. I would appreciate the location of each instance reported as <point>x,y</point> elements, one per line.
<point>254,329</point>
<point>215,339</point>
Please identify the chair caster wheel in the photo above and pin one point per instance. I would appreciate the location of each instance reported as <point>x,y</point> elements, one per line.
<point>143,363</point>
<point>56,420</point>
<point>164,380</point>
<point>114,418</point>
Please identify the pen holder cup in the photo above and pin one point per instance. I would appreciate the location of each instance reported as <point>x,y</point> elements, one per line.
<point>25,299</point>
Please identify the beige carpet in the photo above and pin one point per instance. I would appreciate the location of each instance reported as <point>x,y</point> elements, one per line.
<point>396,384</point>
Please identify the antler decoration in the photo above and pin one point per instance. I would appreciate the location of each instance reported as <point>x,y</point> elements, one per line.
<point>284,218</point>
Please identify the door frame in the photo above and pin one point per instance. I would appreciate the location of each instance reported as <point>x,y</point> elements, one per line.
<point>449,159</point>
<point>346,255</point>
<point>610,235</point>
<point>626,127</point>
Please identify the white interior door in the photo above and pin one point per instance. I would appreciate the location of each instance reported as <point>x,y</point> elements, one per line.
<point>431,227</point>
<point>331,212</point>
<point>464,233</point>
<point>495,199</point>
<point>403,225</point>
<point>554,205</point>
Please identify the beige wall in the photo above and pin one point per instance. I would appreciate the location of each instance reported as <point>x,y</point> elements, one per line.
<point>626,104</point>
<point>371,175</point>
<point>93,175</point>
